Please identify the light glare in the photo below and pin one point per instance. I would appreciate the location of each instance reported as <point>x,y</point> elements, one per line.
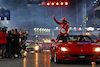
<point>57,3</point>
<point>97,49</point>
<point>66,3</point>
<point>52,3</point>
<point>48,4</point>
<point>64,49</point>
<point>61,3</point>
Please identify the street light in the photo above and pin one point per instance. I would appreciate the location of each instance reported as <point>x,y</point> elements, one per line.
<point>36,35</point>
<point>54,30</point>
<point>95,1</point>
<point>42,31</point>
<point>57,28</point>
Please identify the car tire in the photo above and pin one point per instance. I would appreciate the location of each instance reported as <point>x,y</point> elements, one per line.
<point>55,58</point>
<point>52,59</point>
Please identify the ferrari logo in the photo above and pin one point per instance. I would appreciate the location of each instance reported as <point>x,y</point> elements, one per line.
<point>81,50</point>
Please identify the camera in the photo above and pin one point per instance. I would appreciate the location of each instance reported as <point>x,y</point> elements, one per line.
<point>4,29</point>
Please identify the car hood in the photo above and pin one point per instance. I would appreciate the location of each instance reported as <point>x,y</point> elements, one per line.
<point>80,47</point>
<point>79,44</point>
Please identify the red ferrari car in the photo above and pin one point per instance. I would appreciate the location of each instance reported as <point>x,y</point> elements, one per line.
<point>74,48</point>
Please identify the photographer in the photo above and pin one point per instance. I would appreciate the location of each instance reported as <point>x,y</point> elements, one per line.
<point>3,40</point>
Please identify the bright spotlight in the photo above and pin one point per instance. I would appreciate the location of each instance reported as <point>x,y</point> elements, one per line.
<point>95,1</point>
<point>48,3</point>
<point>66,3</point>
<point>52,3</point>
<point>62,3</point>
<point>57,3</point>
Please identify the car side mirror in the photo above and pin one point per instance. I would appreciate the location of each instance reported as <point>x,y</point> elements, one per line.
<point>52,40</point>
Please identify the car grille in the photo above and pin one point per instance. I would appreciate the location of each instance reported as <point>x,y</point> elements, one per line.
<point>81,55</point>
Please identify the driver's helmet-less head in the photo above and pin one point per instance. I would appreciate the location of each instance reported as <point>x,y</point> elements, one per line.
<point>64,18</point>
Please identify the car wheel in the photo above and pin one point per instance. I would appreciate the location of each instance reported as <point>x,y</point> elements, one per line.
<point>55,58</point>
<point>52,59</point>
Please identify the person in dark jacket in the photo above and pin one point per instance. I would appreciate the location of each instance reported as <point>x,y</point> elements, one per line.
<point>16,41</point>
<point>12,36</point>
<point>8,45</point>
<point>15,44</point>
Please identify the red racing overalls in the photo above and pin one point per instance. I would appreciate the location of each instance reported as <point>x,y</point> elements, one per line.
<point>64,28</point>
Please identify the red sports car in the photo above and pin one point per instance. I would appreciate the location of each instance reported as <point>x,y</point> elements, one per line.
<point>74,48</point>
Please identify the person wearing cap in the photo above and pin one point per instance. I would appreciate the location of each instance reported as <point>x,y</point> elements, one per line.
<point>64,26</point>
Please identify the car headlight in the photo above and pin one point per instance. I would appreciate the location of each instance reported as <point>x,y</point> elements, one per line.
<point>64,49</point>
<point>36,47</point>
<point>97,49</point>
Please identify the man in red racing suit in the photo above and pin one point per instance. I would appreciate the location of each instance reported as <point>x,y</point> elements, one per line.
<point>64,26</point>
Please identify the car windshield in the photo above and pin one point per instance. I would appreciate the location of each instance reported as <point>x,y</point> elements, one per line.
<point>75,39</point>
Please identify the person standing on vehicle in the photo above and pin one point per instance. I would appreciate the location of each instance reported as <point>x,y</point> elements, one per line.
<point>64,26</point>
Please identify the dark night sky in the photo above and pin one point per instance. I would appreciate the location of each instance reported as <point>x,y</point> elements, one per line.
<point>23,16</point>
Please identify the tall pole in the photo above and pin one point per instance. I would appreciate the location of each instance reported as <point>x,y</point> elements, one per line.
<point>77,13</point>
<point>84,15</point>
<point>52,33</point>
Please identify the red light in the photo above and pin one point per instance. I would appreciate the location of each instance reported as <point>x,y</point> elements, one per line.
<point>61,3</point>
<point>52,3</point>
<point>48,3</point>
<point>94,23</point>
<point>78,29</point>
<point>94,9</point>
<point>66,3</point>
<point>57,3</point>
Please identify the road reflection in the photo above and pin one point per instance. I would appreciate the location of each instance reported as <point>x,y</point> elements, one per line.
<point>24,61</point>
<point>42,59</point>
<point>47,62</point>
<point>37,60</point>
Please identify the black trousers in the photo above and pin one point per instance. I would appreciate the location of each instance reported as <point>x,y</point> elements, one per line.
<point>8,49</point>
<point>15,49</point>
<point>3,49</point>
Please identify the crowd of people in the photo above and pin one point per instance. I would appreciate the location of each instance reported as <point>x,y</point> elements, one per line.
<point>12,42</point>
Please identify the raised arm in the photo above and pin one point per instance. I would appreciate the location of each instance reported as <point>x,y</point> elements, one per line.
<point>56,20</point>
